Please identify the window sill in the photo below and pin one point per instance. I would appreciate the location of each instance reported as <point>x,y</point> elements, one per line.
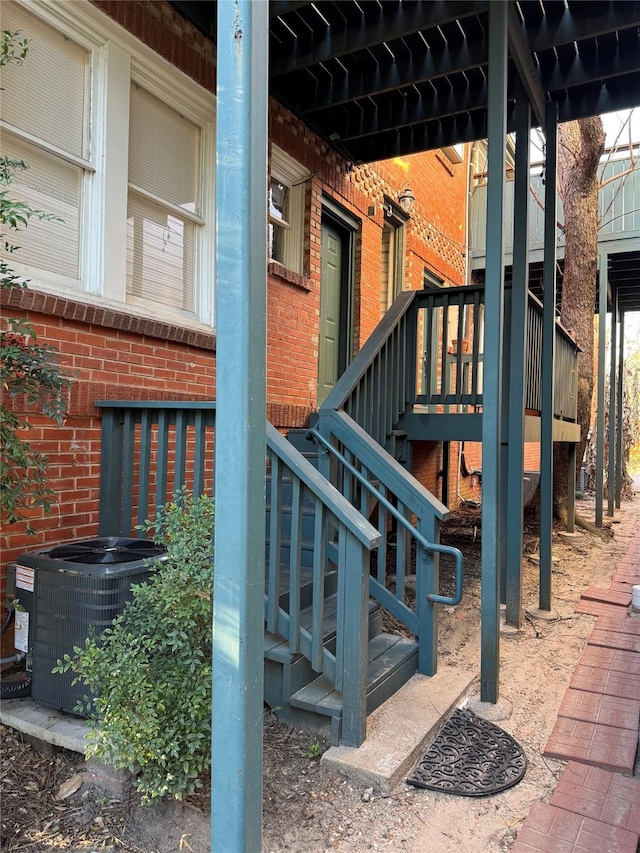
<point>295,278</point>
<point>108,316</point>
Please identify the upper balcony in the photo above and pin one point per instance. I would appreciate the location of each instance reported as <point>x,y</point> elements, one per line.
<point>619,216</point>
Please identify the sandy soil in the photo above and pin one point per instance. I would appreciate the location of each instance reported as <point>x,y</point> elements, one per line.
<point>309,809</point>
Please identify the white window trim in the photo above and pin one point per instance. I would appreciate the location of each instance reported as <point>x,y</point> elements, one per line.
<point>291,173</point>
<point>117,59</point>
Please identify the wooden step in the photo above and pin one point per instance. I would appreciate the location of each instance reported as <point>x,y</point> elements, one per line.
<point>306,585</point>
<point>276,648</point>
<point>392,662</point>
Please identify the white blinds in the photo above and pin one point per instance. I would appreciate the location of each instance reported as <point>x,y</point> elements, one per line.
<point>163,151</point>
<point>163,177</point>
<point>159,255</point>
<point>46,95</point>
<point>55,187</point>
<point>45,99</point>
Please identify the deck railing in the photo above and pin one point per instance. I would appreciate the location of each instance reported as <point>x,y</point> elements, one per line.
<point>150,449</point>
<point>452,324</point>
<point>407,514</point>
<point>427,354</point>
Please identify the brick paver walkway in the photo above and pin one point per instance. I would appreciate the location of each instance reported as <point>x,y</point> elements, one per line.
<point>596,803</point>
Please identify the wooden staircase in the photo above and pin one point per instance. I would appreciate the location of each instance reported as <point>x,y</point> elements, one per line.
<point>292,687</point>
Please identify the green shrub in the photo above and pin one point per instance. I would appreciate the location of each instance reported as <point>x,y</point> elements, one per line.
<point>151,671</point>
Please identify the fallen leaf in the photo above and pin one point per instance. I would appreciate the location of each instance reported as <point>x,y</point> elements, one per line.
<point>70,786</point>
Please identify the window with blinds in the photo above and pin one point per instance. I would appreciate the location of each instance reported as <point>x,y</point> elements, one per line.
<point>45,107</point>
<point>163,210</point>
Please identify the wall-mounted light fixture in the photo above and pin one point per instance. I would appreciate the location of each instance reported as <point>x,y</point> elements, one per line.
<point>406,198</point>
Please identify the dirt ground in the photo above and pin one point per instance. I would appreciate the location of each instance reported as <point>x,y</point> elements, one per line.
<point>309,809</point>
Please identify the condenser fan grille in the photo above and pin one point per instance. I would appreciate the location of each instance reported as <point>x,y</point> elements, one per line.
<point>106,551</point>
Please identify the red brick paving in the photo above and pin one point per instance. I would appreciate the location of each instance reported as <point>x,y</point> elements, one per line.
<point>594,810</point>
<point>617,660</point>
<point>608,596</point>
<point>605,710</point>
<point>626,576</point>
<point>598,794</point>
<point>603,746</point>
<point>599,608</point>
<point>615,640</point>
<point>549,829</point>
<point>597,680</point>
<point>619,622</point>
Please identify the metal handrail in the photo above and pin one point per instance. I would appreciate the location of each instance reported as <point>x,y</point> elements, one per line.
<point>321,488</point>
<point>436,598</point>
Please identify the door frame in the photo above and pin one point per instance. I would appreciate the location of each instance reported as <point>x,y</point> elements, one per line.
<point>349,228</point>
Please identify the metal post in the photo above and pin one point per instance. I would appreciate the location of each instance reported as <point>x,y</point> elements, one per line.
<point>519,294</point>
<point>494,299</point>
<point>548,346</point>
<point>620,414</point>
<point>446,472</point>
<point>241,251</point>
<point>602,342</point>
<point>611,467</point>
<point>571,488</point>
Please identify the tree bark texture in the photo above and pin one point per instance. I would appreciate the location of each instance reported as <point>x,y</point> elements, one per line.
<point>580,146</point>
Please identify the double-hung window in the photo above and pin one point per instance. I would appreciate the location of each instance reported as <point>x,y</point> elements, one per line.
<point>119,145</point>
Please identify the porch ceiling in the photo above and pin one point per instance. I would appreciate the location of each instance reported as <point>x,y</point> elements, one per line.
<point>624,279</point>
<point>386,79</point>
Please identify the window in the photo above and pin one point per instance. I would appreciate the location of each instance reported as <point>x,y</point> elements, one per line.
<point>46,127</point>
<point>430,279</point>
<point>116,141</point>
<point>286,210</point>
<point>391,256</point>
<point>455,153</point>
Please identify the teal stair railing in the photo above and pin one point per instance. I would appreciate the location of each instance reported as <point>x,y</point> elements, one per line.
<point>343,540</point>
<point>384,491</point>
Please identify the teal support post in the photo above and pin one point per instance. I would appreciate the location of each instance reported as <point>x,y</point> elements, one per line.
<point>613,346</point>
<point>241,252</point>
<point>111,455</point>
<point>519,333</point>
<point>548,346</point>
<point>571,488</point>
<point>492,391</point>
<point>620,411</point>
<point>602,343</point>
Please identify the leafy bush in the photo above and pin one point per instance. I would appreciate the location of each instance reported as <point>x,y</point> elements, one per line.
<point>150,673</point>
<point>28,368</point>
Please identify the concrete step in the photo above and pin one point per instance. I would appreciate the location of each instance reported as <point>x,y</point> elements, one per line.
<point>392,661</point>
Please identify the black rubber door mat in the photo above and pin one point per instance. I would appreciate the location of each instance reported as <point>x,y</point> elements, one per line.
<point>470,757</point>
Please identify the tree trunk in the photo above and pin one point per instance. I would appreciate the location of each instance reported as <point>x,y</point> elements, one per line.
<point>580,146</point>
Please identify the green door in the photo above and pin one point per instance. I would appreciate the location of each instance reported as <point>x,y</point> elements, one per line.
<point>331,301</point>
